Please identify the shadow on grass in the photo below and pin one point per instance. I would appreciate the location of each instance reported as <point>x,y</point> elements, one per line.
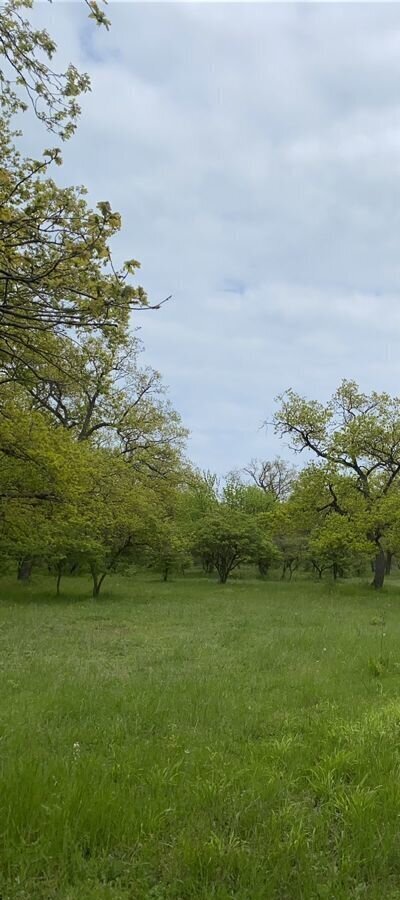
<point>134,590</point>
<point>42,592</point>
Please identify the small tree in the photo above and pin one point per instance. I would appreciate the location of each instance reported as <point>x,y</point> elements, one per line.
<point>228,538</point>
<point>170,550</point>
<point>336,544</point>
<point>122,518</point>
<point>267,556</point>
<point>289,535</point>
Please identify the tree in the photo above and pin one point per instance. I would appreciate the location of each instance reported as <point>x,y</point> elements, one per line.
<point>246,497</point>
<point>57,274</point>
<point>228,538</point>
<point>121,515</point>
<point>170,551</point>
<point>102,395</point>
<point>289,535</point>
<point>254,502</point>
<point>56,270</point>
<point>356,434</point>
<point>45,477</point>
<point>275,477</point>
<point>336,545</point>
<point>332,513</point>
<point>79,504</point>
<point>268,555</point>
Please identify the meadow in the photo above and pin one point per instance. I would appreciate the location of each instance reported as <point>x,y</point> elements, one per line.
<point>192,740</point>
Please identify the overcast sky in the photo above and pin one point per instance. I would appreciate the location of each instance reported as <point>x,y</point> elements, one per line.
<point>254,153</point>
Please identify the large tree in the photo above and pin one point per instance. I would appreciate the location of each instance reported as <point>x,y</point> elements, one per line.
<point>100,393</point>
<point>56,270</point>
<point>275,477</point>
<point>357,435</point>
<point>57,273</point>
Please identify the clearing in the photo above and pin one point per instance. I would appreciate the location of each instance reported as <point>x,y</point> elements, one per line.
<point>188,740</point>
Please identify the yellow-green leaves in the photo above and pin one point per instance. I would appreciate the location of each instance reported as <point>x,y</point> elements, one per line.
<point>56,270</point>
<point>357,438</point>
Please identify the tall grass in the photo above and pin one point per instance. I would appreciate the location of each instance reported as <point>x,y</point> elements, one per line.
<point>190,740</point>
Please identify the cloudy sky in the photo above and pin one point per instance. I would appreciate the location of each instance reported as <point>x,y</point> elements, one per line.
<point>254,153</point>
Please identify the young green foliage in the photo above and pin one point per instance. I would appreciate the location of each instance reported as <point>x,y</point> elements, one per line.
<point>28,78</point>
<point>358,436</point>
<point>228,538</point>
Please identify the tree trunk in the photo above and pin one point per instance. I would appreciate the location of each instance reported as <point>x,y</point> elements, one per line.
<point>97,582</point>
<point>25,567</point>
<point>335,571</point>
<point>166,573</point>
<point>59,577</point>
<point>379,569</point>
<point>388,567</point>
<point>318,569</point>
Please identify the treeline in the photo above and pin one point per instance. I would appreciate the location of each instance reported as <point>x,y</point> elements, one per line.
<point>336,517</point>
<point>341,511</point>
<point>322,520</point>
<point>112,507</point>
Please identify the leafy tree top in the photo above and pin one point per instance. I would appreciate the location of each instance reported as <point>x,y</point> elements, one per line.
<point>357,432</point>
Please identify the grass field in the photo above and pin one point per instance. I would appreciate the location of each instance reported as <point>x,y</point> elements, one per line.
<point>188,740</point>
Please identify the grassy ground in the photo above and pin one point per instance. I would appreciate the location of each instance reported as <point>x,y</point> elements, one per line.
<point>190,740</point>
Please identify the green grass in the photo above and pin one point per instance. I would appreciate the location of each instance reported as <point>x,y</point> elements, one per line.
<point>190,740</point>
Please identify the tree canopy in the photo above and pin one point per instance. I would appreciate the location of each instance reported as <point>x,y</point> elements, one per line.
<point>356,437</point>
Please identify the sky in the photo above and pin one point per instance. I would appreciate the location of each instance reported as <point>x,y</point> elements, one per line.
<point>253,150</point>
